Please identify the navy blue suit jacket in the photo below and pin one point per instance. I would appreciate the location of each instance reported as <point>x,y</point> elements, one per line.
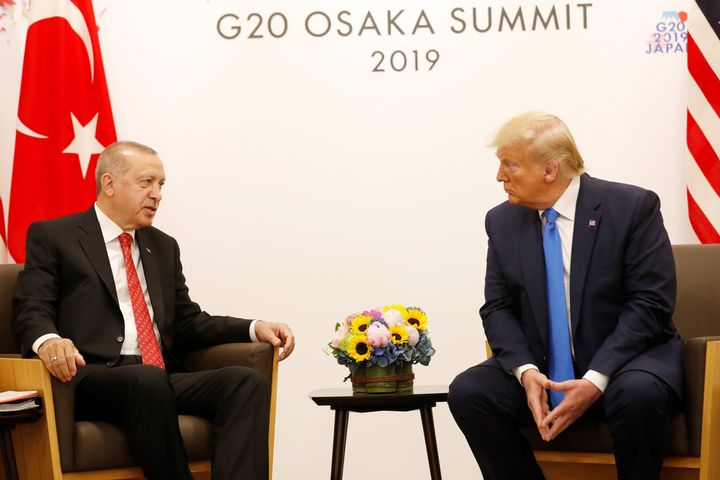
<point>622,285</point>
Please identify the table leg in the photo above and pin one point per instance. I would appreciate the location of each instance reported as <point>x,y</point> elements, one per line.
<point>8,455</point>
<point>339,437</point>
<point>430,442</point>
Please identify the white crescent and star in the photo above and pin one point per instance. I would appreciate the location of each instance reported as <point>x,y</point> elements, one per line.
<point>84,143</point>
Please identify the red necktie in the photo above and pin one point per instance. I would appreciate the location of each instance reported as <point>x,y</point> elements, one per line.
<point>149,347</point>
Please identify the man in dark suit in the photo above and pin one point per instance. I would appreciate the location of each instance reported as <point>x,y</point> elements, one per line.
<point>616,291</point>
<point>103,303</point>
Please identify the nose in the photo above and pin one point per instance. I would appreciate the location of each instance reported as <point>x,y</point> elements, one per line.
<point>156,192</point>
<point>501,176</point>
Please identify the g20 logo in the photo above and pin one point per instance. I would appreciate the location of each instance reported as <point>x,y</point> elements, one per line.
<point>670,35</point>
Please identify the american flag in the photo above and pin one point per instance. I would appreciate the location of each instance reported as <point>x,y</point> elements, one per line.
<point>703,119</point>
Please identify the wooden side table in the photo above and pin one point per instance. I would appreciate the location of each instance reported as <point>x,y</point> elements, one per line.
<point>343,401</point>
<point>7,423</point>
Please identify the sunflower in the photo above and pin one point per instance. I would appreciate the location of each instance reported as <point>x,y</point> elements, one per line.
<point>417,318</point>
<point>358,348</point>
<point>360,323</point>
<point>398,334</point>
<point>399,308</point>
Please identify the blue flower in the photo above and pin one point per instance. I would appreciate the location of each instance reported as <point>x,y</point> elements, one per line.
<point>382,357</point>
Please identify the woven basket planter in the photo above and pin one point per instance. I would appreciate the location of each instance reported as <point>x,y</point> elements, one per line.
<point>391,379</point>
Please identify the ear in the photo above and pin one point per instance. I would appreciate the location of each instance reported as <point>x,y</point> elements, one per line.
<point>108,184</point>
<point>552,170</point>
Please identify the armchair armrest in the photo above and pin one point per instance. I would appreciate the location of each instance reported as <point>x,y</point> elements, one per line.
<point>709,460</point>
<point>694,363</point>
<point>36,448</point>
<point>259,356</point>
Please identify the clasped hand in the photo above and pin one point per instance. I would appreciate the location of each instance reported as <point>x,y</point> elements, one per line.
<point>579,396</point>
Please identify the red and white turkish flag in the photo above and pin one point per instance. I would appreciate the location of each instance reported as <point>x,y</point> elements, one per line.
<point>64,117</point>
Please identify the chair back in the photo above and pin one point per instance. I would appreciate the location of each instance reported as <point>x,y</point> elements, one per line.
<point>8,278</point>
<point>697,309</point>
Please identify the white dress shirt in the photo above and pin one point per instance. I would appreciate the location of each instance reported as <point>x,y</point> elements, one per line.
<point>565,206</point>
<point>110,232</point>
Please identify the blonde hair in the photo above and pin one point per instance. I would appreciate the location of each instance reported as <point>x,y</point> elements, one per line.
<point>545,138</point>
<point>114,160</point>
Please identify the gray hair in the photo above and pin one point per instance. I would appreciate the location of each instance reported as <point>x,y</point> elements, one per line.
<point>114,160</point>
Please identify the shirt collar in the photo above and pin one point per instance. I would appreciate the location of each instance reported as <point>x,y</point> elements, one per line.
<point>566,204</point>
<point>110,230</point>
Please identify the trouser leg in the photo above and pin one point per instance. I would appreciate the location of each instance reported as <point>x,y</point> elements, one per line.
<point>489,405</point>
<point>141,399</point>
<point>235,399</point>
<point>638,408</point>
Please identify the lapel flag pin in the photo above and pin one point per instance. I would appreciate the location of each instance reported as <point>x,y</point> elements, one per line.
<point>592,224</point>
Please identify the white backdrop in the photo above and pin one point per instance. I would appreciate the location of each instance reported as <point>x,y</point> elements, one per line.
<point>303,186</point>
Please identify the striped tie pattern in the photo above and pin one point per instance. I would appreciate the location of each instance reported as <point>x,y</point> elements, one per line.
<point>149,347</point>
<point>703,119</point>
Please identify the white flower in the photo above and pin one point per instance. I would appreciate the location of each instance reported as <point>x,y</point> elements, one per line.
<point>393,317</point>
<point>339,335</point>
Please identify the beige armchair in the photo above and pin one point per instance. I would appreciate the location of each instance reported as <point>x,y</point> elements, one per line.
<point>584,451</point>
<point>57,447</point>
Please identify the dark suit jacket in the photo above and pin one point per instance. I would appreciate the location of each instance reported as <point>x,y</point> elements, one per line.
<point>622,285</point>
<point>67,288</point>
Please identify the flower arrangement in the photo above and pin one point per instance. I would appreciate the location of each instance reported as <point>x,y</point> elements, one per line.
<point>391,336</point>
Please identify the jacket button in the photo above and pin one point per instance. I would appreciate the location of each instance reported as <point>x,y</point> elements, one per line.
<point>109,364</point>
<point>120,338</point>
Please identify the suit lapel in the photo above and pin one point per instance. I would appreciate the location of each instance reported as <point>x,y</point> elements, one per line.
<point>532,260</point>
<point>152,274</point>
<point>587,224</point>
<point>93,245</point>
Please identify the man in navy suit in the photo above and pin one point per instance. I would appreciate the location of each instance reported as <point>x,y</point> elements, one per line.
<point>103,302</point>
<point>619,283</point>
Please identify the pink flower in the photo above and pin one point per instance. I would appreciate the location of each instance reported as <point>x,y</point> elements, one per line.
<point>378,335</point>
<point>373,313</point>
<point>393,317</point>
<point>350,318</point>
<point>413,335</point>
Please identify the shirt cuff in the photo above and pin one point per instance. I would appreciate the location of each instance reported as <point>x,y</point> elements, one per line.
<point>253,337</point>
<point>518,371</point>
<point>598,379</point>
<point>37,343</point>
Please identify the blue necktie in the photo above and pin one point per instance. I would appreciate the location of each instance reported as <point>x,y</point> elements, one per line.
<point>560,356</point>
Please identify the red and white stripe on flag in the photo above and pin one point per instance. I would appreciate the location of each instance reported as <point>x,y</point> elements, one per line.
<point>703,119</point>
<point>64,118</point>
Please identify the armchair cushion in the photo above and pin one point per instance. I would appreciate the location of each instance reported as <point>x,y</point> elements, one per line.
<point>101,445</point>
